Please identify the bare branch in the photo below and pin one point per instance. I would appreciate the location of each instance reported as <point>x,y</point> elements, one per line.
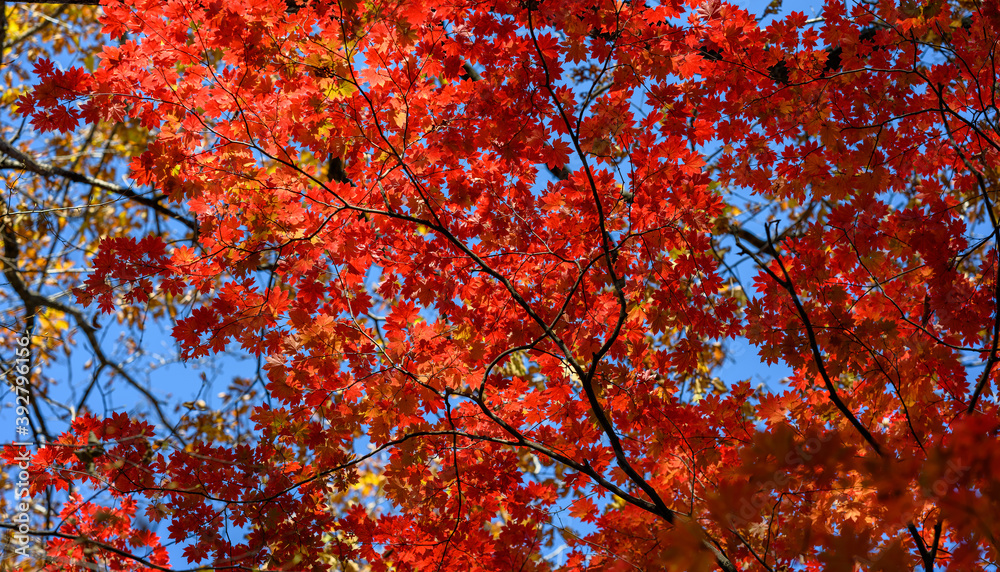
<point>20,160</point>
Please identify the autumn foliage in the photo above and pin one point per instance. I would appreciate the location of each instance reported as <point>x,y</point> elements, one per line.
<point>489,254</point>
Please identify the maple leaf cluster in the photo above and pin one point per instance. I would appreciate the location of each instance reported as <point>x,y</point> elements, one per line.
<point>495,244</point>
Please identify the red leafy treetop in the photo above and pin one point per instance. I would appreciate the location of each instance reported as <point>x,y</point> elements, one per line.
<point>494,239</point>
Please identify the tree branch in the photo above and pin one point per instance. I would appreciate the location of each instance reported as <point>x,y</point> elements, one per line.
<point>33,300</point>
<point>818,359</point>
<point>20,160</point>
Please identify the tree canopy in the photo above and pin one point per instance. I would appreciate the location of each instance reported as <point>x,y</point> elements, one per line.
<point>489,258</point>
